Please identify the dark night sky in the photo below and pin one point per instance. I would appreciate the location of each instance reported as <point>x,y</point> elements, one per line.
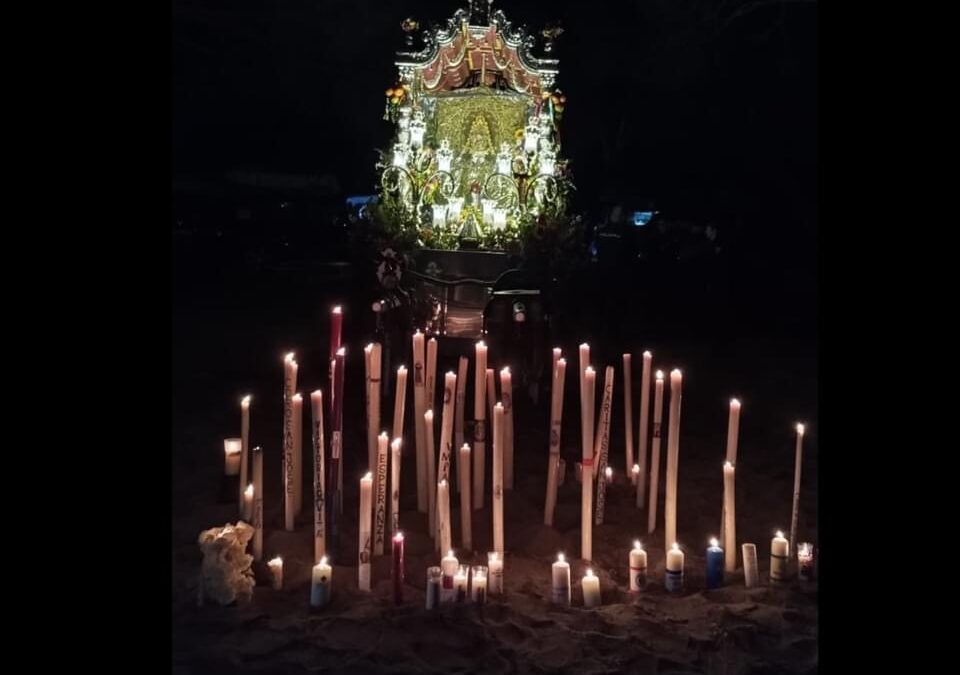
<point>700,104</point>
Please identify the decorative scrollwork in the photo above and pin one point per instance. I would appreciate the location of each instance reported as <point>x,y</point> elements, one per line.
<point>503,189</point>
<point>541,192</point>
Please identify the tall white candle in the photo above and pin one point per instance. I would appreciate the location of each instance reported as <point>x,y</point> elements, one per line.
<point>431,383</point>
<point>751,577</point>
<point>795,516</point>
<point>730,519</point>
<point>399,402</point>
<point>586,495</point>
<point>319,485</point>
<point>601,448</point>
<point>466,536</point>
<point>376,373</point>
<point>779,555</point>
<point>366,513</point>
<point>556,423</point>
<point>462,365</point>
<point>560,583</point>
<point>642,431</point>
<point>321,580</point>
<point>247,513</point>
<point>591,589</point>
<point>258,503</point>
<point>733,429</point>
<point>506,391</point>
<point>491,394</point>
<point>638,568</point>
<point>655,456</point>
<point>419,403</point>
<point>232,449</point>
<point>367,405</point>
<point>480,435</point>
<point>674,578</point>
<point>380,511</point>
<point>586,433</point>
<point>443,514</point>
<point>557,353</point>
<point>448,570</point>
<point>297,454</point>
<point>628,412</point>
<point>289,388</point>
<point>446,427</point>
<point>673,456</point>
<point>431,472</point>
<point>495,571</point>
<point>276,570</point>
<point>395,453</point>
<point>498,477</point>
<point>244,447</point>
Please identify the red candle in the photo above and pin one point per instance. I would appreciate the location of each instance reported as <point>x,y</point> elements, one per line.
<point>398,568</point>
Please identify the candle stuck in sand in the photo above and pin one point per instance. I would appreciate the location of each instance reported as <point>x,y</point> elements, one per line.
<point>638,568</point>
<point>320,582</point>
<point>494,573</point>
<point>232,452</point>
<point>276,569</point>
<point>591,589</point>
<point>779,555</point>
<point>674,580</point>
<point>715,560</point>
<point>560,586</point>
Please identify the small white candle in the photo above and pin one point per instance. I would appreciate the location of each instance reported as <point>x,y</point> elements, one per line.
<point>248,503</point>
<point>638,568</point>
<point>276,569</point>
<point>591,589</point>
<point>495,573</point>
<point>321,580</point>
<point>779,555</point>
<point>478,584</point>
<point>366,515</point>
<point>232,450</point>
<point>805,560</point>
<point>634,475</point>
<point>448,570</point>
<point>460,583</point>
<point>674,580</point>
<point>560,586</point>
<point>751,577</point>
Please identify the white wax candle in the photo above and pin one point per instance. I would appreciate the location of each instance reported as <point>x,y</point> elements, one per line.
<point>371,430</point>
<point>466,523</point>
<point>289,389</point>
<point>248,503</point>
<point>751,577</point>
<point>399,402</point>
<point>601,448</point>
<point>297,402</point>
<point>380,510</point>
<point>479,414</point>
<point>395,453</point>
<point>258,503</point>
<point>443,514</point>
<point>491,394</point>
<point>376,372</point>
<point>628,411</point>
<point>419,403</point>
<point>560,585</point>
<point>232,450</point>
<point>431,456</point>
<point>244,449</point>
<point>276,569</point>
<point>319,478</point>
<point>321,581</point>
<point>674,579</point>
<point>431,383</point>
<point>506,391</point>
<point>364,523</point>
<point>554,475</point>
<point>638,568</point>
<point>460,583</point>
<point>586,495</point>
<point>495,572</point>
<point>462,366</point>
<point>673,457</point>
<point>434,586</point>
<point>557,353</point>
<point>634,475</point>
<point>498,477</point>
<point>729,518</point>
<point>642,431</point>
<point>795,515</point>
<point>654,491</point>
<point>478,584</point>
<point>446,440</point>
<point>779,555</point>
<point>733,428</point>
<point>805,560</point>
<point>591,589</point>
<point>448,570</point>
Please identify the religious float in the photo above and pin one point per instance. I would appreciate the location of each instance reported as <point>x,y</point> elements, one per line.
<point>473,203</point>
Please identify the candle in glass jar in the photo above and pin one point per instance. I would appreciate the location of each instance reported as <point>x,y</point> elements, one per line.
<point>232,451</point>
<point>320,581</point>
<point>715,560</point>
<point>434,575</point>
<point>751,577</point>
<point>494,573</point>
<point>674,580</point>
<point>248,503</point>
<point>779,555</point>
<point>560,586</point>
<point>448,569</point>
<point>638,568</point>
<point>397,568</point>
<point>276,569</point>
<point>460,583</point>
<point>591,589</point>
<point>805,559</point>
<point>478,584</point>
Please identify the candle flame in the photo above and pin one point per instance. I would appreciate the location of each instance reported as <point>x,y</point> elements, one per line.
<point>504,370</point>
<point>636,468</point>
<point>297,398</point>
<point>429,414</point>
<point>734,403</point>
<point>492,556</point>
<point>728,464</point>
<point>338,310</point>
<point>800,428</point>
<point>368,348</point>
<point>368,475</point>
<point>498,406</point>
<point>289,358</point>
<point>323,560</point>
<point>276,561</point>
<point>396,443</point>
<point>557,351</point>
<point>675,547</point>
<point>609,472</point>
<point>562,360</point>
<point>249,491</point>
<point>398,536</point>
<point>676,371</point>
<point>481,344</point>
<point>590,370</point>
<point>659,374</point>
<point>589,572</point>
<point>779,534</point>
<point>246,400</point>
<point>450,373</point>
<point>402,369</point>
<point>465,446</point>
<point>560,557</point>
<point>342,351</point>
<point>714,542</point>
<point>647,354</point>
<point>584,344</point>
<point>443,482</point>
<point>638,545</point>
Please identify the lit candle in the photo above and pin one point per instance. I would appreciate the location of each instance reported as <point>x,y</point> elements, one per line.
<point>244,448</point>
<point>733,430</point>
<point>608,475</point>
<point>642,430</point>
<point>779,555</point>
<point>591,589</point>
<point>446,427</point>
<point>431,473</point>
<point>805,558</point>
<point>397,568</point>
<point>419,402</point>
<point>319,488</point>
<point>380,511</point>
<point>434,575</point>
<point>673,456</point>
<point>462,365</point>
<point>399,402</point>
<point>751,577</point>
<point>448,567</point>
<point>554,475</point>
<point>466,523</point>
<point>395,447</point>
<point>628,413</point>
<point>560,588</point>
<point>460,583</point>
<point>376,372</point>
<point>655,456</point>
<point>336,330</point>
<point>258,503</point>
<point>276,569</point>
<point>729,517</point>
<point>297,402</point>
<point>248,503</point>
<point>557,353</point>
<point>601,447</point>
<point>506,392</point>
<point>586,494</point>
<point>491,394</point>
<point>674,580</point>
<point>478,584</point>
<point>479,431</point>
<point>638,568</point>
<point>232,450</point>
<point>430,396</point>
<point>363,529</point>
<point>371,430</point>
<point>634,475</point>
<point>443,514</point>
<point>715,560</point>
<point>795,516</point>
<point>289,389</point>
<point>321,580</point>
<point>336,445</point>
<point>498,477</point>
<point>495,571</point>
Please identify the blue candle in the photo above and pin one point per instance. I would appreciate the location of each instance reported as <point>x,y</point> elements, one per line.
<point>714,565</point>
